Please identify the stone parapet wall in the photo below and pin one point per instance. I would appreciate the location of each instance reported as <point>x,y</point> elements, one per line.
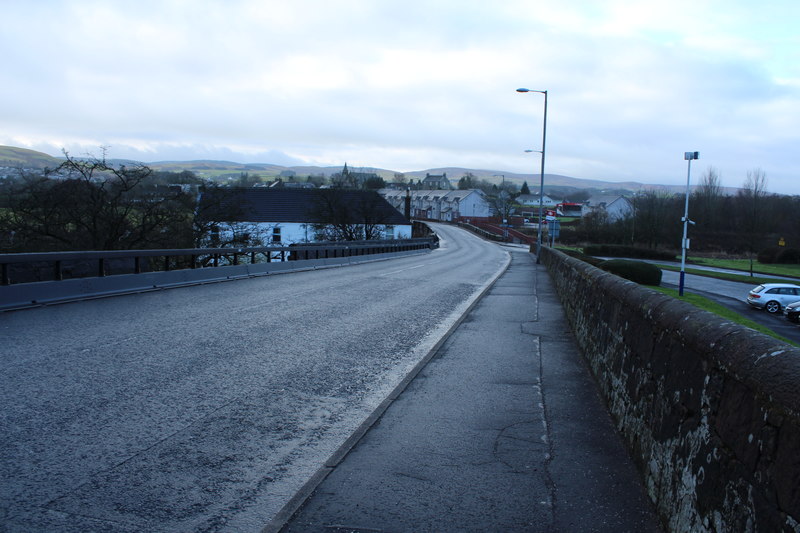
<point>708,409</point>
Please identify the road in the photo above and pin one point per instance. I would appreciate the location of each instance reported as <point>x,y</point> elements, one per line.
<point>732,295</point>
<point>206,408</point>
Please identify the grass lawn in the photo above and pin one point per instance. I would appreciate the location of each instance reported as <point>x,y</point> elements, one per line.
<point>741,278</point>
<point>724,312</point>
<point>744,264</point>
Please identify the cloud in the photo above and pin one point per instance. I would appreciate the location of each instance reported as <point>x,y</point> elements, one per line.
<point>413,85</point>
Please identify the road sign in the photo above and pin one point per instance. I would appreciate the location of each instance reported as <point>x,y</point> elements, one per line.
<point>554,228</point>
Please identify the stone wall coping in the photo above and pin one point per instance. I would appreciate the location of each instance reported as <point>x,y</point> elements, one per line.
<point>767,366</point>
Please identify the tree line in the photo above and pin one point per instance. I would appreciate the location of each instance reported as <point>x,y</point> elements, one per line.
<point>743,223</point>
<point>91,204</point>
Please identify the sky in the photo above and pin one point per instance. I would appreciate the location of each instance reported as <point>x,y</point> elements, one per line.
<point>413,84</point>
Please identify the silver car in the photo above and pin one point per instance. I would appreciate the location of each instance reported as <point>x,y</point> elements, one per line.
<point>773,296</point>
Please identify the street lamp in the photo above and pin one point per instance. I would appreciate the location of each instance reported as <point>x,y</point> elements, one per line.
<point>541,175</point>
<point>688,156</point>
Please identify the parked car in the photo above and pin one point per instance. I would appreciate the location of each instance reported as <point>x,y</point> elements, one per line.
<point>792,312</point>
<point>773,297</point>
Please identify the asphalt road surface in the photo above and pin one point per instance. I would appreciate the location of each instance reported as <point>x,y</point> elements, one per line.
<point>732,295</point>
<point>206,408</point>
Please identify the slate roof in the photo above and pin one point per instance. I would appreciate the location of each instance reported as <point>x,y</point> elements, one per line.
<point>607,200</point>
<point>260,204</point>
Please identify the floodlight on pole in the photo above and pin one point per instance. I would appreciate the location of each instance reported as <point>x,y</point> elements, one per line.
<point>541,173</point>
<point>688,156</point>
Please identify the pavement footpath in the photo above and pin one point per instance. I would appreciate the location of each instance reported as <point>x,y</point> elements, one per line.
<point>503,430</point>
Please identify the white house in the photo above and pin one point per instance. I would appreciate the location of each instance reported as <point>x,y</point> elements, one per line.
<point>532,200</point>
<point>617,207</point>
<point>444,205</point>
<point>288,216</point>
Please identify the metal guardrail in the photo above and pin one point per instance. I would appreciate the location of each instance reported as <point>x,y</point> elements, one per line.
<point>113,273</point>
<point>111,262</point>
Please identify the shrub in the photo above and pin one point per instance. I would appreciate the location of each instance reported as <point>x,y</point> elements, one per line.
<point>620,250</point>
<point>637,271</point>
<point>767,256</point>
<point>788,256</point>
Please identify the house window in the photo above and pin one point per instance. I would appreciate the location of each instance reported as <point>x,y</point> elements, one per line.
<point>388,232</point>
<point>276,235</point>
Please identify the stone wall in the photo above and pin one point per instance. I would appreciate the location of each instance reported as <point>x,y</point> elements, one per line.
<point>709,410</point>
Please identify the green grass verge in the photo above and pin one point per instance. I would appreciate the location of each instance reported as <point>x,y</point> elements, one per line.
<point>741,278</point>
<point>724,312</point>
<point>744,265</point>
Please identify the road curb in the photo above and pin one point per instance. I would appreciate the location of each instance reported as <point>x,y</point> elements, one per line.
<point>295,502</point>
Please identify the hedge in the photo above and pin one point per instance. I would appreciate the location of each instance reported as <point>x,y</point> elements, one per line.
<point>636,271</point>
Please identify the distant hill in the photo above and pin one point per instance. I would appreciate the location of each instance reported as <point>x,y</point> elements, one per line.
<point>550,180</point>
<point>20,157</point>
<point>11,156</point>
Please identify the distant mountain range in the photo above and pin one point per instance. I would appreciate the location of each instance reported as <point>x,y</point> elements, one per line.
<point>14,157</point>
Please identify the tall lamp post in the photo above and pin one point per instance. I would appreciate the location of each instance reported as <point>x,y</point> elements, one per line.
<point>688,156</point>
<point>541,175</point>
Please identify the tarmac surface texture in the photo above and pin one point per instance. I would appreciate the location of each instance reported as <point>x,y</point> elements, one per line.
<point>206,408</point>
<point>503,430</point>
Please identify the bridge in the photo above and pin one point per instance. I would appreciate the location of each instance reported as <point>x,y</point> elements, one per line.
<point>442,390</point>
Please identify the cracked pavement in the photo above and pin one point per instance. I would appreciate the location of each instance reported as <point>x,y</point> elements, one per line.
<point>503,430</point>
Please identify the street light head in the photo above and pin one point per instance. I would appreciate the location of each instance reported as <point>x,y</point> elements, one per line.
<point>521,90</point>
<point>533,151</point>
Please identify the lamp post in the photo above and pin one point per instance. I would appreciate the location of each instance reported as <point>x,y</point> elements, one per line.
<point>541,174</point>
<point>688,156</point>
<point>502,204</point>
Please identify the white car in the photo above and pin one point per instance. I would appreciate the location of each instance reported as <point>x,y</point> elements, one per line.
<point>773,296</point>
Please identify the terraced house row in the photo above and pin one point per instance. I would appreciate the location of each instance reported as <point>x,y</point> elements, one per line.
<point>441,205</point>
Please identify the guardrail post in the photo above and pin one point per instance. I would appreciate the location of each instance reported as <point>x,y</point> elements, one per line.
<point>6,280</point>
<point>235,259</point>
<point>101,267</point>
<point>166,263</point>
<point>58,274</point>
<point>137,265</point>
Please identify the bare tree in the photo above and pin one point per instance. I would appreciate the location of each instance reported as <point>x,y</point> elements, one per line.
<point>90,204</point>
<point>220,220</point>
<point>654,214</point>
<point>596,225</point>
<point>349,215</point>
<point>706,203</point>
<point>751,205</point>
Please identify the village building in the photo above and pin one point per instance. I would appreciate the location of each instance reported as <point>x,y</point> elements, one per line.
<point>288,216</point>
<point>435,181</point>
<point>532,200</point>
<point>442,205</point>
<point>616,207</point>
<point>351,178</point>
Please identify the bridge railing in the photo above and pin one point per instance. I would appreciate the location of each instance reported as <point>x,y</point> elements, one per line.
<point>57,266</point>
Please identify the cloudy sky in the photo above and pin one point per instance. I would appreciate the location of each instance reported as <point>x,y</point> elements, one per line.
<point>413,84</point>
